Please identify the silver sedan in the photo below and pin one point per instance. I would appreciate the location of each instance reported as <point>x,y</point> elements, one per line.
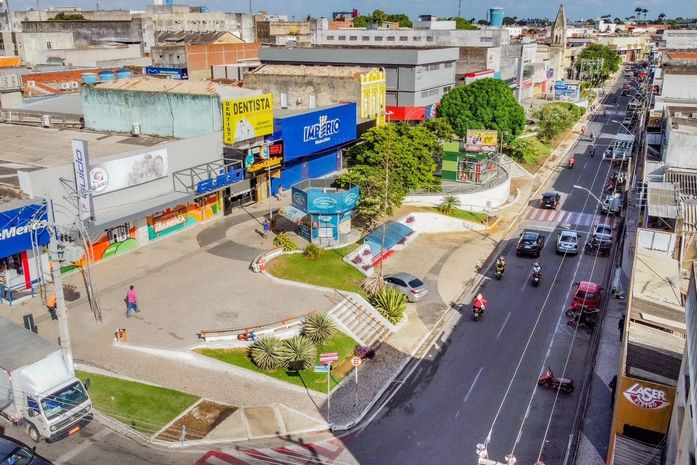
<point>412,287</point>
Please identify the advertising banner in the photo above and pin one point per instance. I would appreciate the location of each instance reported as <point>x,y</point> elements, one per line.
<point>17,226</point>
<point>316,201</point>
<point>171,73</point>
<point>481,140</point>
<point>317,131</point>
<point>643,404</point>
<point>564,91</point>
<point>126,172</point>
<point>169,220</point>
<point>81,168</point>
<point>247,118</point>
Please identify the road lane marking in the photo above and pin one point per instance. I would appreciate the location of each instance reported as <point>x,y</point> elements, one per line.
<point>72,453</point>
<point>473,383</point>
<point>503,325</point>
<point>457,414</point>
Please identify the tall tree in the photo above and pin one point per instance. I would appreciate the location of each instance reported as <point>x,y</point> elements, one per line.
<point>597,52</point>
<point>463,24</point>
<point>662,18</point>
<point>484,104</point>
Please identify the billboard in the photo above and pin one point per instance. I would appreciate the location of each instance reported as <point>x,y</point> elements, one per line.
<point>316,201</point>
<point>130,171</point>
<point>316,131</point>
<point>568,92</point>
<point>171,73</point>
<point>81,169</point>
<point>17,227</point>
<point>247,118</point>
<point>481,140</point>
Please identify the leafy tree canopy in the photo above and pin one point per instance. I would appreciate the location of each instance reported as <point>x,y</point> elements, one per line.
<point>63,16</point>
<point>378,17</point>
<point>484,104</point>
<point>555,118</point>
<point>462,23</point>
<point>406,151</point>
<point>610,59</point>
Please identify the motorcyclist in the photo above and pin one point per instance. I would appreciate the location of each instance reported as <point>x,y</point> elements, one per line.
<point>500,264</point>
<point>572,160</point>
<point>479,303</point>
<point>592,137</point>
<point>536,269</point>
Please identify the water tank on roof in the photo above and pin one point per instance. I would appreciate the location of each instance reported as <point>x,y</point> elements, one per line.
<point>106,76</point>
<point>169,2</point>
<point>204,9</point>
<point>124,73</point>
<point>89,78</point>
<point>496,17</point>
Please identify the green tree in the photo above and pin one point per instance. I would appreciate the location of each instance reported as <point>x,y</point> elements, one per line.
<point>597,52</point>
<point>361,21</point>
<point>463,24</point>
<point>522,150</point>
<point>378,16</point>
<point>484,104</point>
<point>440,128</point>
<point>555,118</point>
<point>509,21</point>
<point>63,16</point>
<point>406,151</point>
<point>400,18</point>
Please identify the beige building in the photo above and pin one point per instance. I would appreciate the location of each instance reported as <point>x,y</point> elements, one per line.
<point>630,48</point>
<point>283,32</point>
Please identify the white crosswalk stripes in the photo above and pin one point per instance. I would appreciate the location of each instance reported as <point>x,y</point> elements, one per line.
<point>567,217</point>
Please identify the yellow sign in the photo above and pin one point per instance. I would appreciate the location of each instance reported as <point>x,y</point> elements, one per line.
<point>373,95</point>
<point>262,165</point>
<point>481,140</point>
<point>247,118</point>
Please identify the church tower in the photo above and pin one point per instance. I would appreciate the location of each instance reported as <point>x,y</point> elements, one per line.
<point>557,48</point>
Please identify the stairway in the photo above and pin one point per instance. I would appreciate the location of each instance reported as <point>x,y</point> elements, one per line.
<point>513,168</point>
<point>366,325</point>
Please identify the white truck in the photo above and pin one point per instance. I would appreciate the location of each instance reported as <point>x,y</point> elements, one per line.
<point>38,391</point>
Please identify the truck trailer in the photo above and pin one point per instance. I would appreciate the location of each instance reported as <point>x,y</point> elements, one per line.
<point>38,391</point>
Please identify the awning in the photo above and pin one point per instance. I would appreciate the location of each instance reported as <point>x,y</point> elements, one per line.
<point>293,214</point>
<point>109,217</point>
<point>662,200</point>
<point>394,233</point>
<point>631,452</point>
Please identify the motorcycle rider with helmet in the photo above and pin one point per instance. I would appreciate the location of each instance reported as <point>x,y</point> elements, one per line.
<point>501,264</point>
<point>479,303</point>
<point>536,269</point>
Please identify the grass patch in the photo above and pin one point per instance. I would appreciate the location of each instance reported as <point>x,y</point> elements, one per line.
<point>143,407</point>
<point>337,342</point>
<point>329,270</point>
<point>542,151</point>
<point>466,215</point>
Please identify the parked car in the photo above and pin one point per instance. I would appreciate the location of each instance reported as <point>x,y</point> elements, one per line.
<point>530,243</point>
<point>612,204</point>
<point>567,242</point>
<point>588,295</point>
<point>409,285</point>
<point>13,452</point>
<point>550,200</point>
<point>602,232</point>
<point>628,120</point>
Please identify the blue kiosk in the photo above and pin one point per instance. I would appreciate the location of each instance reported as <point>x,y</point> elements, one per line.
<point>323,210</point>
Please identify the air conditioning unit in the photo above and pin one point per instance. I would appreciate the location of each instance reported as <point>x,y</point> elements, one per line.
<point>135,129</point>
<point>65,85</point>
<point>46,121</point>
<point>678,114</point>
<point>74,84</point>
<point>31,83</point>
<point>694,115</point>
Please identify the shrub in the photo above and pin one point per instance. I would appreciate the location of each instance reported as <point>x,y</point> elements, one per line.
<point>372,285</point>
<point>285,241</point>
<point>449,204</point>
<point>391,304</point>
<point>265,353</point>
<point>298,353</point>
<point>522,150</point>
<point>318,327</point>
<point>312,251</point>
<point>364,352</point>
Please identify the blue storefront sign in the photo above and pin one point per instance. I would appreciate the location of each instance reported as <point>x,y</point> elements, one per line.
<point>220,181</point>
<point>316,131</point>
<point>567,91</point>
<point>318,202</point>
<point>17,226</point>
<point>173,73</point>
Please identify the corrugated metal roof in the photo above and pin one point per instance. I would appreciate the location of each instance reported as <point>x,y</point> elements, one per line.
<point>183,37</point>
<point>148,84</point>
<point>662,200</point>
<point>688,211</point>
<point>687,181</point>
<point>20,347</point>
<point>631,452</point>
<point>654,171</point>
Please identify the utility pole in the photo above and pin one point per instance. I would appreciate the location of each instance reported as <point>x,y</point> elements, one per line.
<point>56,251</point>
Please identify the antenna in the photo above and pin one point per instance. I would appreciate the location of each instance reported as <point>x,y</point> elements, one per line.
<point>459,9</point>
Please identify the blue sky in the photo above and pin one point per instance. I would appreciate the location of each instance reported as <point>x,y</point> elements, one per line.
<point>470,8</point>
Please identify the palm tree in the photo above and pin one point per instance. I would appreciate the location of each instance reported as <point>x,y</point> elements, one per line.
<point>662,17</point>
<point>637,11</point>
<point>644,11</point>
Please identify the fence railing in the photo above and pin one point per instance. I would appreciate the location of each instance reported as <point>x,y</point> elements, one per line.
<point>448,187</point>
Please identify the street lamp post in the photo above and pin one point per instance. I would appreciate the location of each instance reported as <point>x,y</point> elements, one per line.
<point>576,186</point>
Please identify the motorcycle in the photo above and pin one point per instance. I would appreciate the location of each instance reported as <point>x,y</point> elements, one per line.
<point>572,161</point>
<point>536,278</point>
<point>477,312</point>
<point>589,320</point>
<point>499,272</point>
<point>601,247</point>
<point>563,384</point>
<point>574,312</point>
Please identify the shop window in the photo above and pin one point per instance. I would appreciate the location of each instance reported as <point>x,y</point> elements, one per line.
<point>11,270</point>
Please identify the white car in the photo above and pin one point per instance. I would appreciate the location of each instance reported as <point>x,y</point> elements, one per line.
<point>602,232</point>
<point>567,242</point>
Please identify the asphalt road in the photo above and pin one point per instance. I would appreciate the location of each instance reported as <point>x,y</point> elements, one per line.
<point>478,379</point>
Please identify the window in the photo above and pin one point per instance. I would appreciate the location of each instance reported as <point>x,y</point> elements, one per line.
<point>378,38</point>
<point>353,37</point>
<point>416,39</point>
<point>342,37</point>
<point>365,37</point>
<point>448,65</point>
<point>390,38</point>
<point>48,45</point>
<point>447,88</point>
<point>486,39</point>
<point>424,93</point>
<point>284,99</point>
<point>433,67</point>
<point>403,38</point>
<point>330,37</point>
<point>433,92</point>
<point>429,39</point>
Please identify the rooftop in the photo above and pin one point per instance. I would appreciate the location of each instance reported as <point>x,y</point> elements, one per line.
<point>182,37</point>
<point>302,70</point>
<point>682,55</point>
<point>147,84</point>
<point>64,104</point>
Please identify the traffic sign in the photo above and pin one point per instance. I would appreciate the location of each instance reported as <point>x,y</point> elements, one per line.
<point>356,361</point>
<point>321,368</point>
<point>328,358</point>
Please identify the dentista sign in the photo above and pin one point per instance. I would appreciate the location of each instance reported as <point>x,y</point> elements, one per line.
<point>646,397</point>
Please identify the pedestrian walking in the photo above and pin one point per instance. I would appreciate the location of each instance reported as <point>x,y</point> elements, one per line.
<point>51,306</point>
<point>266,227</point>
<point>613,387</point>
<point>131,301</point>
<point>620,326</point>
